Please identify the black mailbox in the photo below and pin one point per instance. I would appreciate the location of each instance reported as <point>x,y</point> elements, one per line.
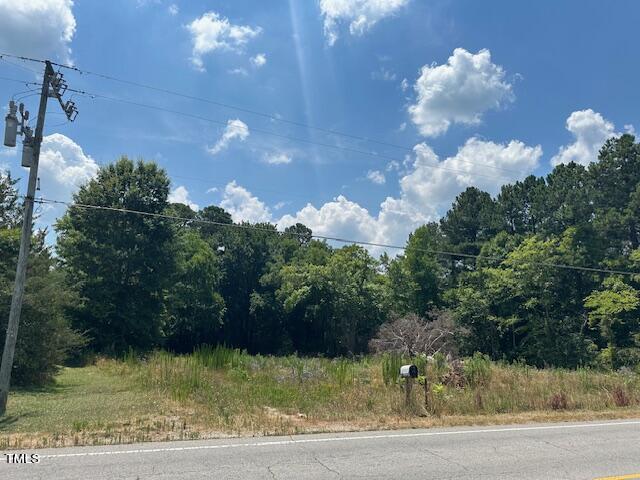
<point>409,371</point>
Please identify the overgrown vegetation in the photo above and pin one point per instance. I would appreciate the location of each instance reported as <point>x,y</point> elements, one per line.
<point>222,391</point>
<point>140,283</point>
<point>45,336</point>
<point>370,385</point>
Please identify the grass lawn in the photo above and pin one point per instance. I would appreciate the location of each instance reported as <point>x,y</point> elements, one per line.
<point>221,392</point>
<point>89,405</point>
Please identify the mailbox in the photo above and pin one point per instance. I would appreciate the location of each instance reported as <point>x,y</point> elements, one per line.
<point>409,371</point>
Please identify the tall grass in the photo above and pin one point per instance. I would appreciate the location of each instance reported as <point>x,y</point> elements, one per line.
<point>236,391</point>
<point>342,371</point>
<point>219,356</point>
<point>391,363</point>
<point>227,391</point>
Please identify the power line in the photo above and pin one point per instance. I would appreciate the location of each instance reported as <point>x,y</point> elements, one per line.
<point>23,82</point>
<point>266,132</point>
<point>326,237</point>
<point>214,102</point>
<point>17,65</point>
<point>279,135</point>
<point>19,96</point>
<point>253,112</point>
<point>351,150</point>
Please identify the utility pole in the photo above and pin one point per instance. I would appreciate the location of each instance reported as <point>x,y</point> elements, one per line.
<point>54,86</point>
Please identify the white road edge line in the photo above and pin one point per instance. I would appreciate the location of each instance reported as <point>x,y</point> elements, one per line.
<point>342,439</point>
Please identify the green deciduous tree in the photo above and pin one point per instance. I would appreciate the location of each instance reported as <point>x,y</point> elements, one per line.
<point>528,309</point>
<point>615,311</point>
<point>10,212</point>
<point>44,336</point>
<point>416,279</point>
<point>194,308</point>
<point>119,262</point>
<point>497,264</point>
<point>247,255</point>
<point>336,305</point>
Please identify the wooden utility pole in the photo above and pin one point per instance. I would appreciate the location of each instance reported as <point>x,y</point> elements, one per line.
<point>51,86</point>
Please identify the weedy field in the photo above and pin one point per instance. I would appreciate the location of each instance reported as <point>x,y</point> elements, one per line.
<point>218,392</point>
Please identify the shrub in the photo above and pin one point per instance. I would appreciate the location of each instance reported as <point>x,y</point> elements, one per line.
<point>45,338</point>
<point>455,376</point>
<point>439,365</point>
<point>558,401</point>
<point>412,335</point>
<point>477,370</point>
<point>421,361</point>
<point>627,357</point>
<point>620,397</point>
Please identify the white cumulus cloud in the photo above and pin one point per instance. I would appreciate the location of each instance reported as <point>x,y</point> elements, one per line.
<point>432,184</point>
<point>212,32</point>
<point>339,218</point>
<point>459,91</point>
<point>259,60</point>
<point>243,206</point>
<point>361,15</point>
<point>426,191</point>
<point>37,28</point>
<point>590,130</point>
<point>235,129</point>
<point>173,9</point>
<point>63,168</point>
<point>278,158</point>
<point>180,194</point>
<point>376,176</point>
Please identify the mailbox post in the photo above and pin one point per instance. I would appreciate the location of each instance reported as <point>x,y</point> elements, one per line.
<point>409,373</point>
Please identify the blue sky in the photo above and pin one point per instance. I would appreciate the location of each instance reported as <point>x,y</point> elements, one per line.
<point>478,93</point>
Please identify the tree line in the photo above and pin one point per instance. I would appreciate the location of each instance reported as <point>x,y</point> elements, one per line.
<point>121,281</point>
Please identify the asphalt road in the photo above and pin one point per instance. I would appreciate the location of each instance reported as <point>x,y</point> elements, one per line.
<point>541,451</point>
